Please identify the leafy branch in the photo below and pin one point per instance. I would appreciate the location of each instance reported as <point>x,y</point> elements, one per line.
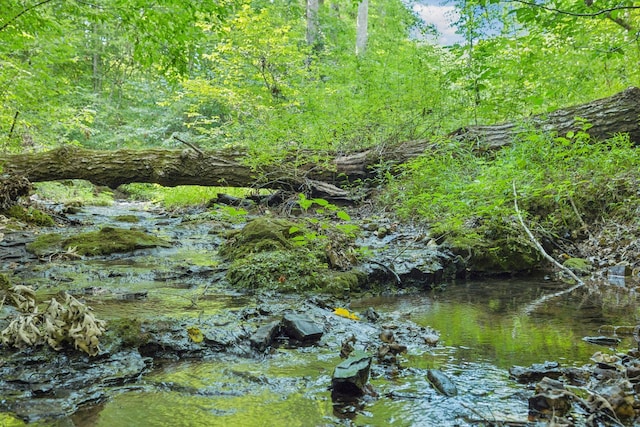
<point>3,27</point>
<point>570,13</point>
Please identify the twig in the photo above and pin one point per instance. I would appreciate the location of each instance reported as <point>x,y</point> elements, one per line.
<point>537,244</point>
<point>190,145</point>
<point>582,223</point>
<point>388,269</point>
<point>570,13</point>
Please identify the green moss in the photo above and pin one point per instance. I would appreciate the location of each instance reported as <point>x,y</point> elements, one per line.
<point>30,215</point>
<point>578,265</point>
<point>102,242</point>
<point>284,270</point>
<point>495,249</point>
<point>127,218</point>
<point>270,253</point>
<point>260,235</point>
<point>127,332</point>
<point>5,283</point>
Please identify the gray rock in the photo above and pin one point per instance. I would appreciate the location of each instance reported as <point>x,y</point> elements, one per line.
<point>264,335</point>
<point>351,376</point>
<point>301,327</point>
<point>442,383</point>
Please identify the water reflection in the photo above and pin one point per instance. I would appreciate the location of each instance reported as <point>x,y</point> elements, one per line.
<point>484,331</point>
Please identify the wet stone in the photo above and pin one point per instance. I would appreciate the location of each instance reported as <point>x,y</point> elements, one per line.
<point>536,372</point>
<point>603,340</point>
<point>442,383</point>
<point>301,327</point>
<point>350,377</point>
<point>263,337</point>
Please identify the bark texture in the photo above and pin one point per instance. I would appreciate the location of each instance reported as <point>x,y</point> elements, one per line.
<point>618,113</point>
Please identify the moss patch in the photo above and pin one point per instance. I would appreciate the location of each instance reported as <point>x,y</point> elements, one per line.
<point>30,215</point>
<point>271,253</point>
<point>495,249</point>
<point>5,283</point>
<point>127,218</point>
<point>105,241</point>
<point>260,235</point>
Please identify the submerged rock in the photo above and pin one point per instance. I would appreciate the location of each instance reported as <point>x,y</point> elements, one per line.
<point>536,372</point>
<point>105,241</point>
<point>442,383</point>
<point>42,384</point>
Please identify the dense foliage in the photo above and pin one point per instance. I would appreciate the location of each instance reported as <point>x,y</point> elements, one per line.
<point>115,73</point>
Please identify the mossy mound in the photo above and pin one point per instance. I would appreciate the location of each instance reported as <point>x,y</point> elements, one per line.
<point>105,241</point>
<point>260,235</point>
<point>495,251</point>
<point>270,253</point>
<point>30,216</point>
<point>127,218</point>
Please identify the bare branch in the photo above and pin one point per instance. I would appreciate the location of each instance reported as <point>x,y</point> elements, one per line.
<point>537,244</point>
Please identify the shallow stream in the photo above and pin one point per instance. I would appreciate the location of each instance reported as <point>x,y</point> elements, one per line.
<point>485,329</point>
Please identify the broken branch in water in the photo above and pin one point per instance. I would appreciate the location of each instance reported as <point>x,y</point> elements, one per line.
<point>530,307</point>
<point>537,244</point>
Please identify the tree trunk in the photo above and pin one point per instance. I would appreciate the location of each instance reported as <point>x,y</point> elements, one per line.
<point>362,31</point>
<point>608,116</point>
<point>619,113</point>
<point>312,22</point>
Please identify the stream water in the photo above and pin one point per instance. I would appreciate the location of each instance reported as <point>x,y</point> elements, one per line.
<point>483,325</point>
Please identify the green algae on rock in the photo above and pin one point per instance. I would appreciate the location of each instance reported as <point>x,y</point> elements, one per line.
<point>127,218</point>
<point>105,241</point>
<point>30,215</point>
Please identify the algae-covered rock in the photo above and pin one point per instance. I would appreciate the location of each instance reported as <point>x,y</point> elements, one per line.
<point>127,218</point>
<point>350,377</point>
<point>260,235</point>
<point>105,241</point>
<point>272,253</point>
<point>30,215</point>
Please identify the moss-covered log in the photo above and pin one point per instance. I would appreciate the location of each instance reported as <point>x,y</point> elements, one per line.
<point>608,116</point>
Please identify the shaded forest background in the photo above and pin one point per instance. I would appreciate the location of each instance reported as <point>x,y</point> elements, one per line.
<point>129,73</point>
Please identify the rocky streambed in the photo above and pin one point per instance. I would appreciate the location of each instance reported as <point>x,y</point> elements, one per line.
<point>185,346</point>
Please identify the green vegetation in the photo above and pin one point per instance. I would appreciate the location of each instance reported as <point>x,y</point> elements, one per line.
<point>183,195</point>
<point>561,182</point>
<point>30,215</point>
<point>241,73</point>
<point>267,254</point>
<point>74,192</point>
<point>105,241</point>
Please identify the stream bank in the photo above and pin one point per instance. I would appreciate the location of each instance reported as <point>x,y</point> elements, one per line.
<point>160,301</point>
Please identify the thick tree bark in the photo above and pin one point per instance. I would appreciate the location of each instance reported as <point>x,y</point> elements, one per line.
<point>619,113</point>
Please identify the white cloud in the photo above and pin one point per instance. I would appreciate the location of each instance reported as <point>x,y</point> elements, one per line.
<point>442,17</point>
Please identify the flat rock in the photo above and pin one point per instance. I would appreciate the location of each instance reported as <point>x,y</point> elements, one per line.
<point>301,327</point>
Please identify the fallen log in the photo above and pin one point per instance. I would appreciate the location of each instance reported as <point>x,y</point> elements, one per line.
<point>607,117</point>
<point>227,167</point>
